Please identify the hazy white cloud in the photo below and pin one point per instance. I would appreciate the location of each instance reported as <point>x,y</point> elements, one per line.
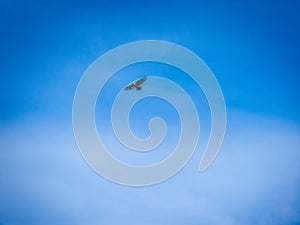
<point>255,180</point>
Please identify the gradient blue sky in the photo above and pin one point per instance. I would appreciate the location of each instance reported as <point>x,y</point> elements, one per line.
<point>253,49</point>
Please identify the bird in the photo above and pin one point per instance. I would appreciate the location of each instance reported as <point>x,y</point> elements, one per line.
<point>136,85</point>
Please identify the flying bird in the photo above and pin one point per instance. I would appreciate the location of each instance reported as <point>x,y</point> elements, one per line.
<point>136,85</point>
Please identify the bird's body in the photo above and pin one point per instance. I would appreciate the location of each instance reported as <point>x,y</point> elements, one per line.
<point>136,85</point>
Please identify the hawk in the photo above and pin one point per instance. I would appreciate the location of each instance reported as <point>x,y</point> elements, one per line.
<point>136,85</point>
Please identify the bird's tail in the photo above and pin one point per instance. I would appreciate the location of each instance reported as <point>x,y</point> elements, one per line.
<point>138,88</point>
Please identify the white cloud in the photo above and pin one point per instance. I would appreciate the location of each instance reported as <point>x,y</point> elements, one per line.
<point>254,180</point>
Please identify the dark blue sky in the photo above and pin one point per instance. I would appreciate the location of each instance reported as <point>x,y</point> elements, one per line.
<point>252,47</point>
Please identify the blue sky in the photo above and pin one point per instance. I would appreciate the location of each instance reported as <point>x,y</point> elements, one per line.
<point>252,48</point>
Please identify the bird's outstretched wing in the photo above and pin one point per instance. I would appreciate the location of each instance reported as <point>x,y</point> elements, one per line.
<point>130,87</point>
<point>140,81</point>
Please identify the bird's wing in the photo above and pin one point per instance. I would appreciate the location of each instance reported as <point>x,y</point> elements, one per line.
<point>130,87</point>
<point>140,81</point>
